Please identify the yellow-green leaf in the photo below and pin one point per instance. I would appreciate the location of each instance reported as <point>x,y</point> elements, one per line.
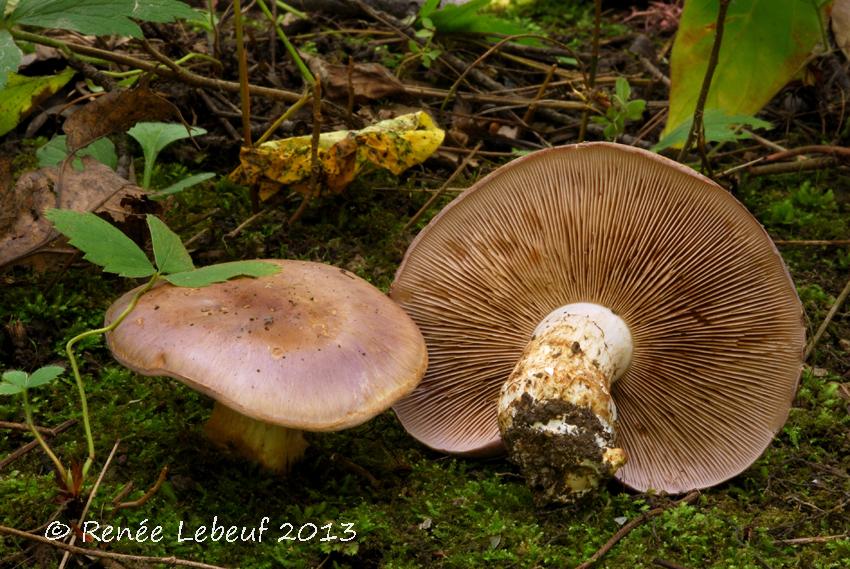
<point>22,94</point>
<point>765,44</point>
<point>394,144</point>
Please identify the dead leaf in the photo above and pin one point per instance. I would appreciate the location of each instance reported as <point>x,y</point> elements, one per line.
<point>23,228</point>
<point>116,111</point>
<point>368,81</point>
<point>394,144</point>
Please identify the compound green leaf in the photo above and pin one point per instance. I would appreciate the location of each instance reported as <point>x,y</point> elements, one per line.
<point>10,56</point>
<point>21,94</point>
<point>765,44</point>
<point>44,375</point>
<point>102,243</point>
<point>221,272</point>
<point>168,250</point>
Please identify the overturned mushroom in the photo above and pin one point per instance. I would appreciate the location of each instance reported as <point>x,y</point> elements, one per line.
<point>310,348</point>
<point>599,309</point>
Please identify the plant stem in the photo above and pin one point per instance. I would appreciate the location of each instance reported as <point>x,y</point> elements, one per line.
<point>69,349</point>
<point>696,131</point>
<point>302,68</point>
<point>64,474</point>
<point>242,56</point>
<point>594,62</point>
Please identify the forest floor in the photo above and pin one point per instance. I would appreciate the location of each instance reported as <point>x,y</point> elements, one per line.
<point>410,506</point>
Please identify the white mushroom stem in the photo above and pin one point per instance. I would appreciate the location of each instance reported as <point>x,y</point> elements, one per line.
<point>556,414</point>
<point>276,448</point>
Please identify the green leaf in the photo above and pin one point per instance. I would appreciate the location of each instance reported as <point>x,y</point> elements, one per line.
<point>428,7</point>
<point>98,17</point>
<point>15,377</point>
<point>55,151</point>
<point>44,375</point>
<point>170,254</point>
<point>718,126</point>
<point>22,94</point>
<point>181,185</point>
<point>222,272</point>
<point>10,56</point>
<point>467,19</point>
<point>153,137</point>
<point>623,89</point>
<point>765,44</point>
<point>102,243</point>
<point>634,109</point>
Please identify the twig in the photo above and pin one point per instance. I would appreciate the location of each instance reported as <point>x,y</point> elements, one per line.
<point>816,539</point>
<point>105,554</point>
<point>654,71</point>
<point>696,132</point>
<point>829,315</point>
<point>836,151</point>
<point>23,427</point>
<point>315,167</point>
<point>812,242</point>
<point>241,227</point>
<point>90,499</point>
<point>234,134</point>
<point>667,564</point>
<point>632,524</point>
<point>792,167</point>
<point>594,63</point>
<point>147,495</point>
<point>526,118</point>
<point>15,455</point>
<point>432,92</point>
<point>442,188</point>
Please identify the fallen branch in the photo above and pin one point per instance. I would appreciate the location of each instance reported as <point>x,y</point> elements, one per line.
<point>815,539</point>
<point>632,524</point>
<point>170,561</point>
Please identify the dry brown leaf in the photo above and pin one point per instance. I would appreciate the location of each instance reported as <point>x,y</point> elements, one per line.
<point>115,112</point>
<point>368,81</point>
<point>23,228</point>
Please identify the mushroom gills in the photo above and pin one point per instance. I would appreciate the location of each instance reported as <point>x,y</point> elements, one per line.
<point>273,446</point>
<point>556,414</point>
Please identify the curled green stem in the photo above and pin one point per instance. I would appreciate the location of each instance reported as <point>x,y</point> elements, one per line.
<point>69,349</point>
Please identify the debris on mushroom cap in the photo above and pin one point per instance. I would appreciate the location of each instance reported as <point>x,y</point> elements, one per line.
<point>313,347</point>
<point>715,320</point>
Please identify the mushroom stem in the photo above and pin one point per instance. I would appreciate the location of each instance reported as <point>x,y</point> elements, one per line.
<point>276,448</point>
<point>556,414</point>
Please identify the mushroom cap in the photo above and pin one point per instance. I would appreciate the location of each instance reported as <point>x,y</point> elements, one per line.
<point>716,322</point>
<point>312,347</point>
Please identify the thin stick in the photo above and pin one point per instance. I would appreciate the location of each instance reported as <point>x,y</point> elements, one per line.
<point>594,63</point>
<point>813,242</point>
<point>90,499</point>
<point>632,524</point>
<point>526,118</point>
<point>15,455</point>
<point>696,132</point>
<point>315,167</point>
<point>442,189</point>
<point>829,315</point>
<point>792,167</point>
<point>246,223</point>
<point>837,151</point>
<point>105,554</point>
<point>147,495</point>
<point>22,427</point>
<point>242,57</point>
<point>667,564</point>
<point>807,540</point>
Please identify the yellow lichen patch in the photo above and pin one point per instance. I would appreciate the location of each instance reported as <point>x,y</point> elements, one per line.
<point>394,144</point>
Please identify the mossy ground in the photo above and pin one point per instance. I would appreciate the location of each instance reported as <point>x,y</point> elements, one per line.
<point>427,509</point>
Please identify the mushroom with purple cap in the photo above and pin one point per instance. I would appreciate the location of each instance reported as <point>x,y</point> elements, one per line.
<point>310,348</point>
<point>598,309</point>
